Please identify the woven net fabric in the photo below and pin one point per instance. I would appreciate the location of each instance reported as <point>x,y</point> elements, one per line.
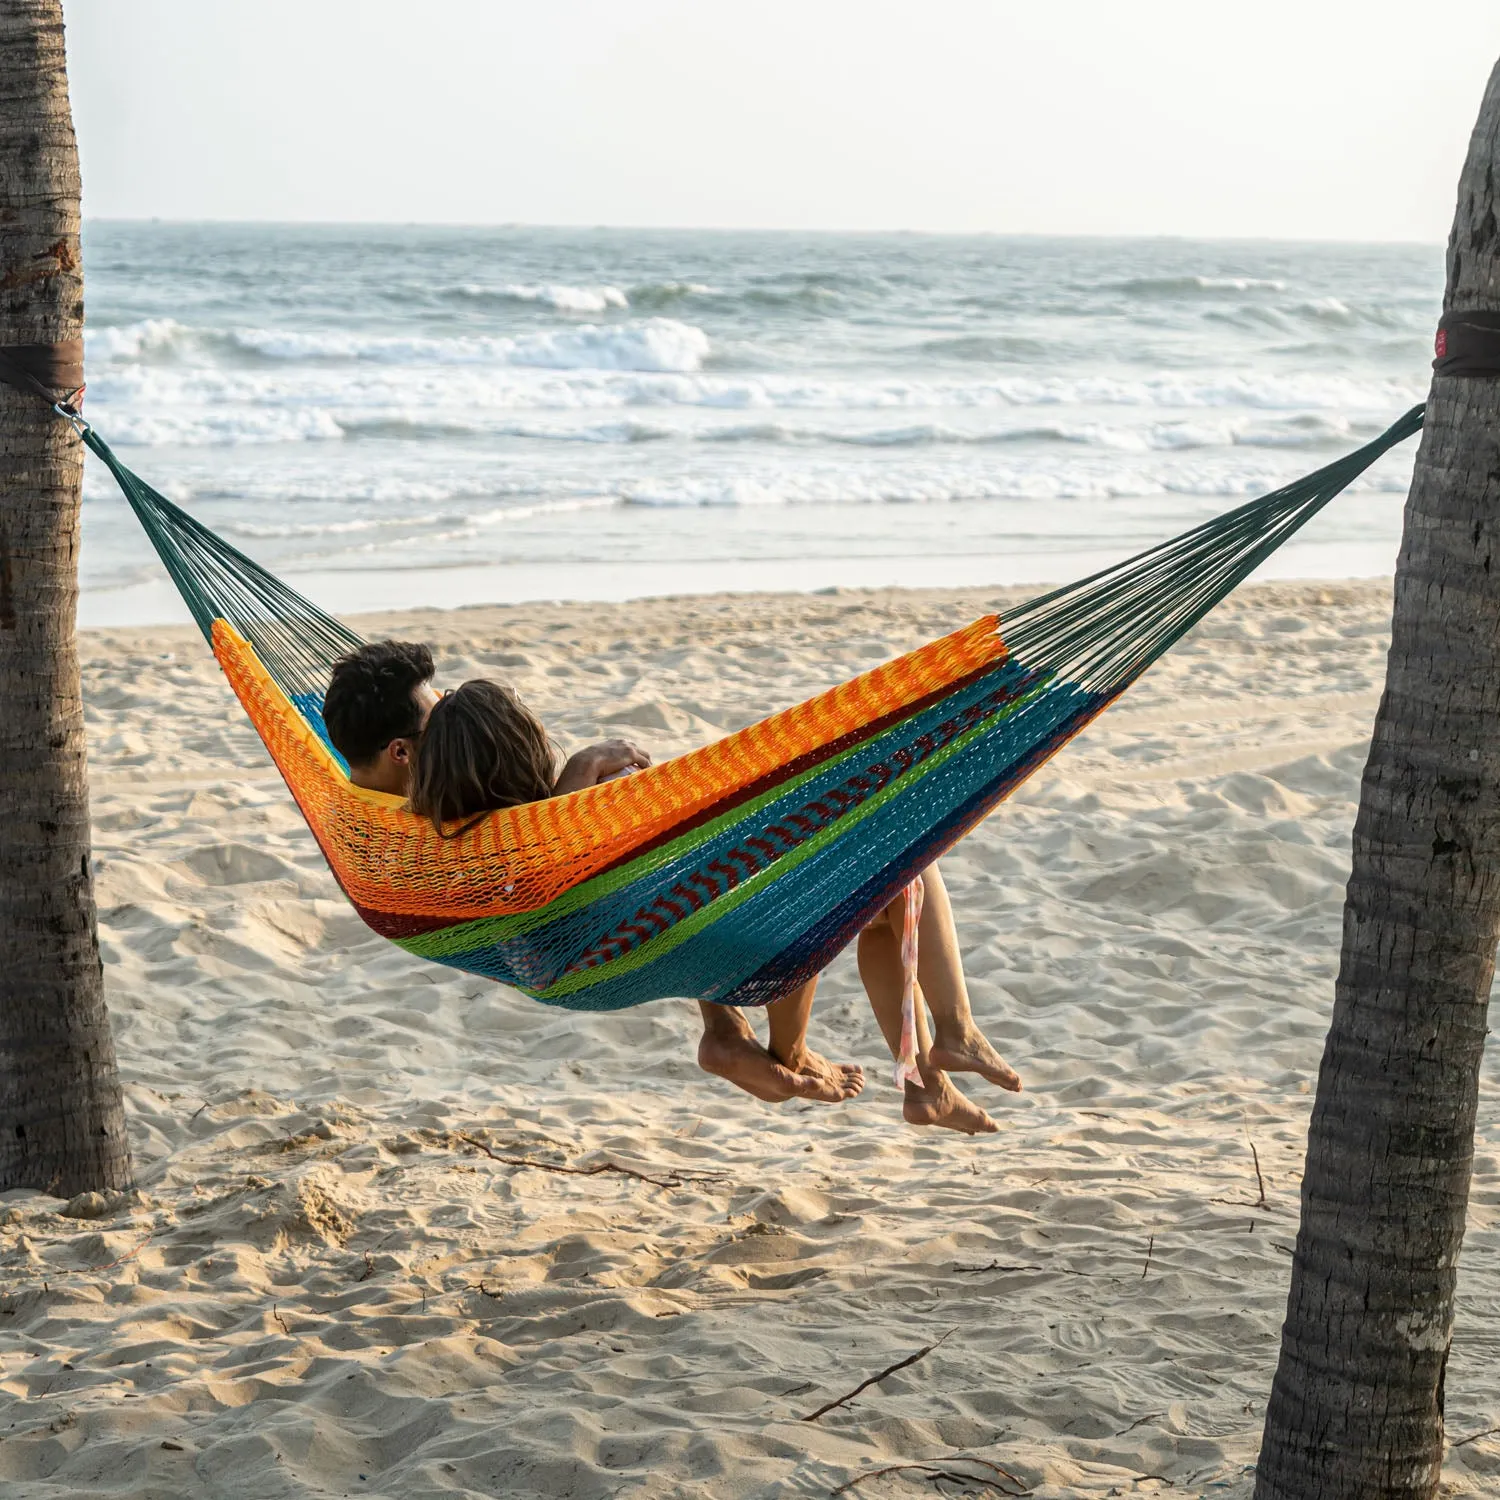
<point>735,872</point>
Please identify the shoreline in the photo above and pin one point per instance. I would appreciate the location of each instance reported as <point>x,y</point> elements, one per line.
<point>154,603</point>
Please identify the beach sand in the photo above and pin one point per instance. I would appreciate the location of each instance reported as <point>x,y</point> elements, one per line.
<point>339,1278</point>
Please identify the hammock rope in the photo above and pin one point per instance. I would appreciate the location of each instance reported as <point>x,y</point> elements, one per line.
<point>1110,626</point>
<point>735,872</point>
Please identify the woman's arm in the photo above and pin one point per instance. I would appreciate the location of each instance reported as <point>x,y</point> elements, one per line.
<point>596,763</point>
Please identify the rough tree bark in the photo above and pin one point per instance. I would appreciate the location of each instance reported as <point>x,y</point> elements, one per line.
<point>62,1124</point>
<point>1356,1412</point>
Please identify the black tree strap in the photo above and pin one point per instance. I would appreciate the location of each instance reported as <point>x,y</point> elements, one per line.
<point>1468,344</point>
<point>52,371</point>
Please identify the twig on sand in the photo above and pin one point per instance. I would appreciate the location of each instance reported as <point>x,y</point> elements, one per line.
<point>675,1179</point>
<point>996,1265</point>
<point>1474,1437</point>
<point>936,1474</point>
<point>1150,1416</point>
<point>864,1385</point>
<point>130,1254</point>
<point>275,1314</point>
<point>1261,1181</point>
<point>369,1269</point>
<point>1150,1246</point>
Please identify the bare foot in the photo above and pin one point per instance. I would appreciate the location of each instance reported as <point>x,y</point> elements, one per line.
<point>733,1054</point>
<point>730,1051</point>
<point>969,1051</point>
<point>829,1082</point>
<point>939,1103</point>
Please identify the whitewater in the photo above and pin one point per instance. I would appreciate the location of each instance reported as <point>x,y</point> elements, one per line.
<point>422,416</point>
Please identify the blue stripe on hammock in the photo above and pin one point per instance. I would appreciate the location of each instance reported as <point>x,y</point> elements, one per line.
<point>735,959</point>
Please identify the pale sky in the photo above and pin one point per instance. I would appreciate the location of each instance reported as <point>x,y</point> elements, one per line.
<point>1324,119</point>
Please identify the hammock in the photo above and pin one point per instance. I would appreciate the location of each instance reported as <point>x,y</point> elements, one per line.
<point>733,873</point>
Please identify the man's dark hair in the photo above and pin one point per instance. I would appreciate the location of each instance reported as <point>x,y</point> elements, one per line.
<point>370,699</point>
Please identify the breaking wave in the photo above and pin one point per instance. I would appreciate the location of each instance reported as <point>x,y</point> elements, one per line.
<point>658,345</point>
<point>1190,286</point>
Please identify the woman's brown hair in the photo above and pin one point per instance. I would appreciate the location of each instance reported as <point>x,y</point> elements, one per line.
<point>482,749</point>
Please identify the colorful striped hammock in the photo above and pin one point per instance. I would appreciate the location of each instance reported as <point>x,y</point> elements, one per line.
<point>733,873</point>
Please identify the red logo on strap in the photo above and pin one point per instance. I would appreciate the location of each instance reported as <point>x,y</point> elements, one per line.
<point>1441,343</point>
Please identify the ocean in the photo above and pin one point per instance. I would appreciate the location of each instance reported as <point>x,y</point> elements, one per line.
<point>394,417</point>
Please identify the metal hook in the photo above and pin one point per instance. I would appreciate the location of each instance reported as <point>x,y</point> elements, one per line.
<point>73,418</point>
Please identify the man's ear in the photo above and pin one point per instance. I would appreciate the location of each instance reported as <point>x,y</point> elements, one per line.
<point>400,752</point>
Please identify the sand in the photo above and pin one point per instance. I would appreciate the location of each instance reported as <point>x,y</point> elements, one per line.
<point>343,1274</point>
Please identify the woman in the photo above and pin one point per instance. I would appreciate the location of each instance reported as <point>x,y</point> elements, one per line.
<point>482,749</point>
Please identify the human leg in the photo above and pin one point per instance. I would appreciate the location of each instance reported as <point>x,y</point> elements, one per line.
<point>958,1045</point>
<point>728,1049</point>
<point>788,1018</point>
<point>935,1100</point>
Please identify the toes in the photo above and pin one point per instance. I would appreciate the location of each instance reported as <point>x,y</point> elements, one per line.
<point>1004,1076</point>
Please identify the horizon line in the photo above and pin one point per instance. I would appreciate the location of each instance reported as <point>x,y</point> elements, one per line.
<point>604,228</point>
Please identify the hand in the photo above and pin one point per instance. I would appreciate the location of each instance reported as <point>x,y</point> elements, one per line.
<point>596,763</point>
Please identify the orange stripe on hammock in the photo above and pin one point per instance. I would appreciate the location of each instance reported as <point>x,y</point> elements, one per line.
<point>518,859</point>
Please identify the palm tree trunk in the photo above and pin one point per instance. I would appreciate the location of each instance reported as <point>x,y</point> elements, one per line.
<point>1356,1412</point>
<point>62,1124</point>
